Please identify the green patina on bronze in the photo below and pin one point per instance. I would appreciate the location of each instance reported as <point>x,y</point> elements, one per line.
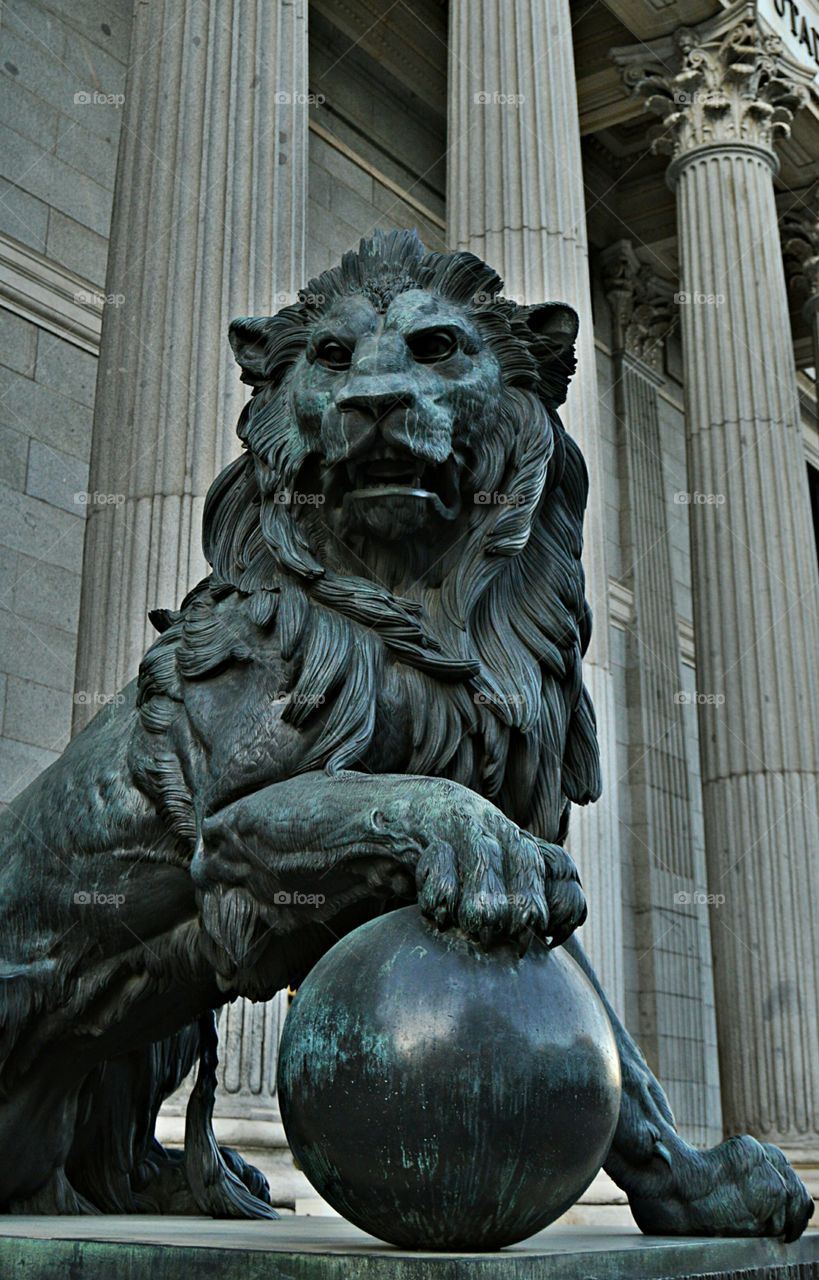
<point>375,696</point>
<point>443,1097</point>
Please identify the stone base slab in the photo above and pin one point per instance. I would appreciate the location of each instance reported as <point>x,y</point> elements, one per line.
<point>296,1248</point>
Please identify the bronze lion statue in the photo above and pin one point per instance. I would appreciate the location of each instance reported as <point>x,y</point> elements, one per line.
<point>375,696</point>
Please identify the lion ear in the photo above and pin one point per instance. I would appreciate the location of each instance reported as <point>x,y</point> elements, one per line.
<point>253,342</point>
<point>554,322</point>
<point>554,327</point>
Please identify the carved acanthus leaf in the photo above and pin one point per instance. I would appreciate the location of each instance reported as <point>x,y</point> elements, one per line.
<point>727,80</point>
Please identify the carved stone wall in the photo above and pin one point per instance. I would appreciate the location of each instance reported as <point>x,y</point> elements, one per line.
<point>60,123</point>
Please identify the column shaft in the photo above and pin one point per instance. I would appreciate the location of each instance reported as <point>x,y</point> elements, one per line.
<point>677,1029</point>
<point>208,224</point>
<point>756,625</point>
<point>515,198</point>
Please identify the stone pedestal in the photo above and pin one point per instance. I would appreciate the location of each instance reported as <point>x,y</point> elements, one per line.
<point>727,91</point>
<point>515,198</point>
<point>676,1027</point>
<point>330,1249</point>
<point>208,224</point>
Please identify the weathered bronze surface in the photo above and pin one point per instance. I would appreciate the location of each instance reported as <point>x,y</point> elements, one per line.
<point>441,1096</point>
<point>376,693</point>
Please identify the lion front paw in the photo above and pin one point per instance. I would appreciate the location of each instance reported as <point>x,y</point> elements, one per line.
<point>495,882</point>
<point>740,1188</point>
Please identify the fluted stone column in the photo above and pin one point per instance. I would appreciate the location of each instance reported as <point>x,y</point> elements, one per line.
<point>678,1036</point>
<point>208,224</point>
<point>515,198</point>
<point>727,91</point>
<point>209,215</point>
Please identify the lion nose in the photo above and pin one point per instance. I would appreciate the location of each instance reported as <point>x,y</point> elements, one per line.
<point>376,404</point>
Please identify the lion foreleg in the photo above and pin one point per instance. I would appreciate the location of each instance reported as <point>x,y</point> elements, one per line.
<point>300,851</point>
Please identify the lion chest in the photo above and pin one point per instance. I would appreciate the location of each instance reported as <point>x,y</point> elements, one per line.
<point>238,715</point>
<point>256,725</point>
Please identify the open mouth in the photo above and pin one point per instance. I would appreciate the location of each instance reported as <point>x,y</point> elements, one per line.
<point>392,476</point>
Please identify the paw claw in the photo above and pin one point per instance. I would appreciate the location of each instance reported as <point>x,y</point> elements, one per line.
<point>739,1188</point>
<point>524,941</point>
<point>496,881</point>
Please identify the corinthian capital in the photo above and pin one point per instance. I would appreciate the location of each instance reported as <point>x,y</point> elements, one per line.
<point>799,228</point>
<point>642,305</point>
<point>724,81</point>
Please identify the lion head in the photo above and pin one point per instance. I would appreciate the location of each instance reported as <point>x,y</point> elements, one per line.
<point>408,502</point>
<point>398,396</point>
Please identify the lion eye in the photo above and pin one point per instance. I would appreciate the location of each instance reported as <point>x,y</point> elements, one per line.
<point>432,345</point>
<point>333,355</point>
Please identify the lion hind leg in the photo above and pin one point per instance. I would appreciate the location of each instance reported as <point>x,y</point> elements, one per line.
<point>113,1154</point>
<point>221,1183</point>
<point>739,1188</point>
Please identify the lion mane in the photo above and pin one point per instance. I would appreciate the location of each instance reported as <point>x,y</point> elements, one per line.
<point>487,662</point>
